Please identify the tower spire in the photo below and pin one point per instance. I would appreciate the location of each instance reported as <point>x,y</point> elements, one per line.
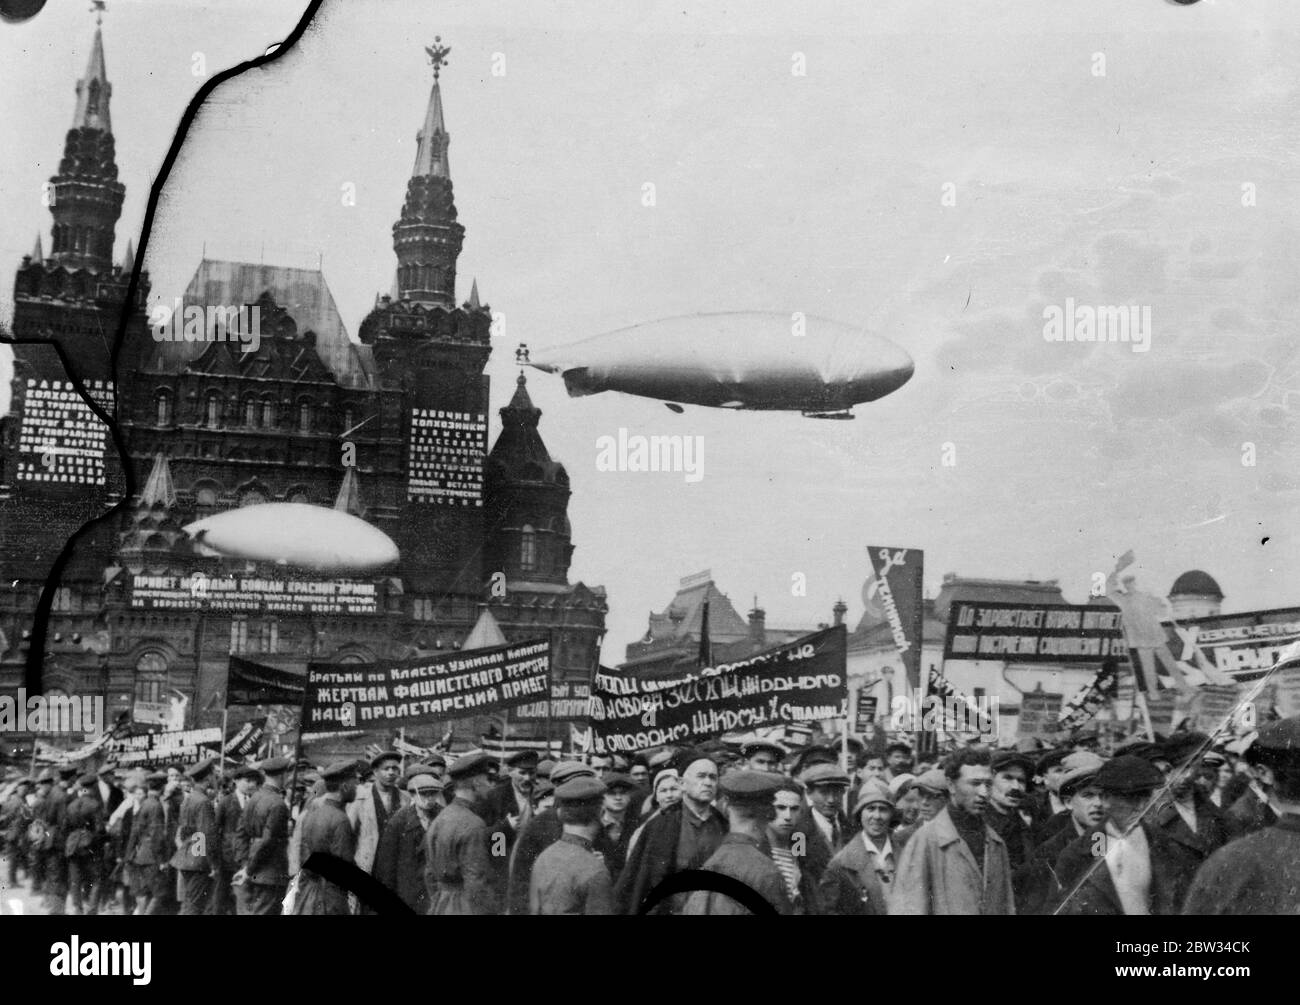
<point>94,90</point>
<point>38,255</point>
<point>427,238</point>
<point>87,195</point>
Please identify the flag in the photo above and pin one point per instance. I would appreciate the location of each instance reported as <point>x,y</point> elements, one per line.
<point>252,683</point>
<point>705,658</point>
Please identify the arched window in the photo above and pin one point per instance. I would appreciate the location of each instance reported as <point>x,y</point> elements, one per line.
<point>92,104</point>
<point>268,413</point>
<point>212,410</point>
<point>304,415</point>
<point>150,677</point>
<point>163,403</point>
<point>527,549</point>
<point>252,498</point>
<point>250,413</point>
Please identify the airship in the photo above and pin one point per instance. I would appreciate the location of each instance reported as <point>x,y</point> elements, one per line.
<point>767,362</point>
<point>313,538</point>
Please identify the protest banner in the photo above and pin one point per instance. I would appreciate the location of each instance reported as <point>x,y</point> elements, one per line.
<point>803,681</point>
<point>181,746</point>
<point>569,701</point>
<point>1081,708</point>
<point>1039,715</point>
<point>1244,646</point>
<point>247,739</point>
<point>249,683</point>
<point>342,697</point>
<point>895,592</point>
<point>865,712</point>
<point>1032,633</point>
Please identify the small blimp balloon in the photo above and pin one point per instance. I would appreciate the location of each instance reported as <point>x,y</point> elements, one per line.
<point>749,360</point>
<point>313,538</point>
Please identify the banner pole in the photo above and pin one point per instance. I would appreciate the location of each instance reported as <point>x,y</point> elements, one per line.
<point>225,730</point>
<point>401,735</point>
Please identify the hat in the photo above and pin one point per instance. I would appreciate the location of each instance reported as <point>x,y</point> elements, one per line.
<point>1082,770</point>
<point>750,786</point>
<point>545,767</point>
<point>1129,775</point>
<point>415,768</point>
<point>751,747</point>
<point>872,791</point>
<point>899,785</point>
<point>659,758</point>
<point>1184,747</point>
<point>156,778</point>
<point>565,770</point>
<point>619,781</point>
<point>582,789</point>
<point>542,789</point>
<point>201,770</point>
<point>67,770</point>
<point>434,759</point>
<point>1139,748</point>
<point>89,780</point>
<point>424,780</point>
<point>683,759</point>
<point>275,765</point>
<point>1277,745</point>
<point>817,754</point>
<point>825,774</point>
<point>522,757</point>
<point>249,771</point>
<point>897,745</point>
<point>338,770</point>
<point>470,765</point>
<point>385,755</point>
<point>47,775</point>
<point>1214,758</point>
<point>1050,759</point>
<point>934,780</point>
<point>1003,759</point>
<point>661,775</point>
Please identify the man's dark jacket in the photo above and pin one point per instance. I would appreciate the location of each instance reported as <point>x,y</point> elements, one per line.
<point>654,859</point>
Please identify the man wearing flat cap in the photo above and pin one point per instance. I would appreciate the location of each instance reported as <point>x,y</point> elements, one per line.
<point>824,819</point>
<point>681,836</point>
<point>399,861</point>
<point>538,834</point>
<point>1260,873</point>
<point>197,841</point>
<point>1185,813</point>
<point>571,876</point>
<point>146,848</point>
<point>1084,815</point>
<point>1044,803</point>
<point>762,755</point>
<point>1129,867</point>
<point>327,830</point>
<point>859,877</point>
<point>459,872</point>
<point>744,854</point>
<point>229,809</point>
<point>84,846</point>
<point>932,786</point>
<point>264,831</point>
<point>375,804</point>
<point>1012,771</point>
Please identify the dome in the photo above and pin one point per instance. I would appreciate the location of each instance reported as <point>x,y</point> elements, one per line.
<point>1196,583</point>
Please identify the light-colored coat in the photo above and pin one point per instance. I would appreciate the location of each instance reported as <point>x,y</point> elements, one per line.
<point>937,874</point>
<point>365,825</point>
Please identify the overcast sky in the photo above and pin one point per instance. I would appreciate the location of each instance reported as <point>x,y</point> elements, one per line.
<point>820,193</point>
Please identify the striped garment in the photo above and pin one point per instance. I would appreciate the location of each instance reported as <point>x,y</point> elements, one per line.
<point>789,867</point>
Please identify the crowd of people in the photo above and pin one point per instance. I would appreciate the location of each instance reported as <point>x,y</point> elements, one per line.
<point>1176,826</point>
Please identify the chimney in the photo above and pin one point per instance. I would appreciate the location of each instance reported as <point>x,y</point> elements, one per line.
<point>758,627</point>
<point>839,610</point>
